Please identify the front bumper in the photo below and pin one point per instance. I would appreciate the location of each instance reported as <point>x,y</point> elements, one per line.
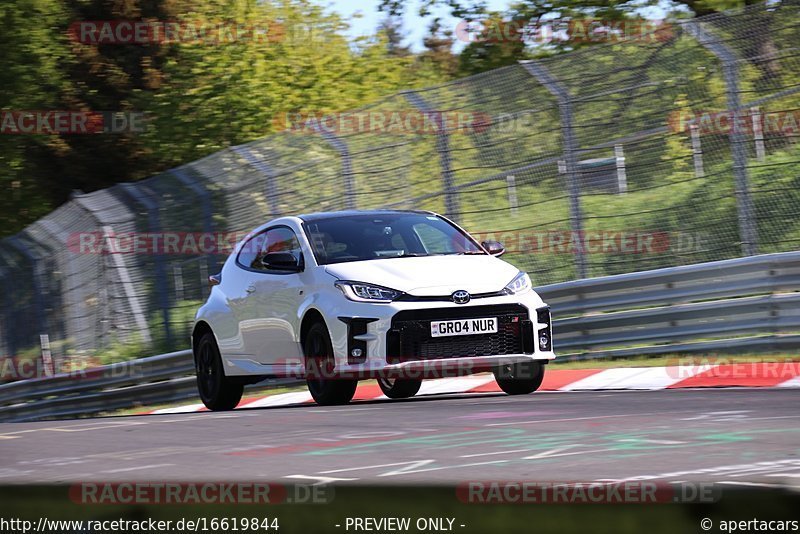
<point>388,349</point>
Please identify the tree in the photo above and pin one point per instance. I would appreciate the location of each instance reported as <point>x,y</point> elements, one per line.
<point>487,55</point>
<point>438,48</point>
<point>392,29</point>
<point>487,50</point>
<point>199,96</point>
<point>31,80</point>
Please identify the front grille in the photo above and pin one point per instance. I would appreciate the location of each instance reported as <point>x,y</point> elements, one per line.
<point>410,338</point>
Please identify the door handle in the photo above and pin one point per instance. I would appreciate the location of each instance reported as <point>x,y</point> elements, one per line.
<point>250,289</point>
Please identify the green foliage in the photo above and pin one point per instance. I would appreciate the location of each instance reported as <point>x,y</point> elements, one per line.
<point>198,97</point>
<point>30,77</point>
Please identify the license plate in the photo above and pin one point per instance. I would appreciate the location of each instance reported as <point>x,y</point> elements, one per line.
<point>464,327</point>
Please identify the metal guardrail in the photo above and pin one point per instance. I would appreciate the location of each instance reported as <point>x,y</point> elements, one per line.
<point>143,382</point>
<point>745,304</point>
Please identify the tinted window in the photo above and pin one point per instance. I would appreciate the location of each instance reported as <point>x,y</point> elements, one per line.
<point>250,250</point>
<point>368,237</point>
<point>436,240</point>
<point>279,239</point>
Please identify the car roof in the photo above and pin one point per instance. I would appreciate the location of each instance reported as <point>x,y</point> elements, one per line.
<point>346,213</point>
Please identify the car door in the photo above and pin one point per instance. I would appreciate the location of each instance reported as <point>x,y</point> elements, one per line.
<point>238,285</point>
<point>269,316</point>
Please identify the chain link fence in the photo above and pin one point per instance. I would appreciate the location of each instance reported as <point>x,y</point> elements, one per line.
<point>667,150</point>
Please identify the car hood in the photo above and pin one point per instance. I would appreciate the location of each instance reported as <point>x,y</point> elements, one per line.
<point>430,275</point>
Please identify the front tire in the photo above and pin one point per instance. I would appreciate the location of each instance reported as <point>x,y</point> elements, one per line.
<point>399,388</point>
<point>325,388</point>
<point>217,391</point>
<point>519,378</point>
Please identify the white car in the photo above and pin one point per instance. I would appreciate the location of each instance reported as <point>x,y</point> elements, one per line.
<point>394,295</point>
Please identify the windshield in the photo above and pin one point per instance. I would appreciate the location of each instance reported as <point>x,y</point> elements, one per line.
<point>395,235</point>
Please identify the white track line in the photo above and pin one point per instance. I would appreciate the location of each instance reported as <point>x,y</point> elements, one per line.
<point>282,399</point>
<point>461,384</point>
<point>636,378</point>
<point>180,409</point>
<point>623,378</point>
<point>791,383</point>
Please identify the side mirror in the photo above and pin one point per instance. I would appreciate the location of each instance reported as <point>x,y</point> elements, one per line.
<point>281,261</point>
<point>495,248</point>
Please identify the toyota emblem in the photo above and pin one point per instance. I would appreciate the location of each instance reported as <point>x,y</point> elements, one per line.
<point>460,297</point>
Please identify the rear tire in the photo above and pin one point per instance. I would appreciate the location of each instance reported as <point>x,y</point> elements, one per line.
<point>519,378</point>
<point>325,388</point>
<point>399,388</point>
<point>217,391</point>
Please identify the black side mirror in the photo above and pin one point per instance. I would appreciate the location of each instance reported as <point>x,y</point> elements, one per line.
<point>281,261</point>
<point>495,248</point>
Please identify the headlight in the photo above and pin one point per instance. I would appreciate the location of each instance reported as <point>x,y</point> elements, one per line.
<point>367,292</point>
<point>520,284</point>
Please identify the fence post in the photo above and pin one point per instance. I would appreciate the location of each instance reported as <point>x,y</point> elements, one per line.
<point>758,133</point>
<point>451,204</point>
<point>47,356</point>
<point>118,263</point>
<point>154,225</point>
<point>511,186</point>
<point>744,202</point>
<point>8,331</point>
<point>347,162</point>
<point>544,77</point>
<point>622,176</point>
<point>205,202</point>
<point>38,290</point>
<point>697,151</point>
<point>269,173</point>
<point>127,284</point>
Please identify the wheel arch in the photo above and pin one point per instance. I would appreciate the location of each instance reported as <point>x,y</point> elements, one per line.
<point>200,329</point>
<point>311,316</point>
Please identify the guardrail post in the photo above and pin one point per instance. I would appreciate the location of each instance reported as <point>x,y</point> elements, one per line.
<point>154,225</point>
<point>451,205</point>
<point>544,77</point>
<point>730,70</point>
<point>347,162</point>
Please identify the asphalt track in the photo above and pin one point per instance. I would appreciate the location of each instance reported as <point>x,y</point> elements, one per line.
<point>741,437</point>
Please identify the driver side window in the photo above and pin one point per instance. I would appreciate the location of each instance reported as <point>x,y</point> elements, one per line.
<point>279,239</point>
<point>249,253</point>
